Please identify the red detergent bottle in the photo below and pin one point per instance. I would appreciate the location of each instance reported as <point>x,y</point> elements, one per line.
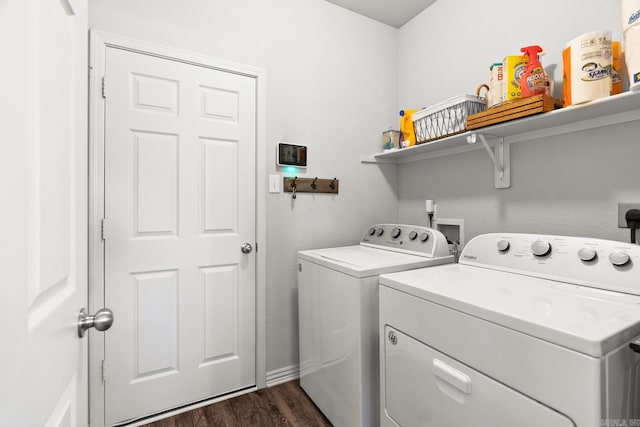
<point>532,81</point>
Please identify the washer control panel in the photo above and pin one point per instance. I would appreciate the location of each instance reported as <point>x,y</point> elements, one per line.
<point>407,238</point>
<point>604,264</point>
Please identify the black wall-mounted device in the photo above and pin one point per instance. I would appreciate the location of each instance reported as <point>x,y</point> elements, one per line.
<point>291,155</point>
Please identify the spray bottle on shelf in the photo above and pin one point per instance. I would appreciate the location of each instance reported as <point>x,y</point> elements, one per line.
<point>406,127</point>
<point>532,81</point>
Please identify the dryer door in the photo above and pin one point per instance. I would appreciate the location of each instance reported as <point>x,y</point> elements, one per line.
<point>426,388</point>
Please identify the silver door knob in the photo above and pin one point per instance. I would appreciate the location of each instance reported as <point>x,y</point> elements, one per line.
<point>102,320</point>
<point>246,248</point>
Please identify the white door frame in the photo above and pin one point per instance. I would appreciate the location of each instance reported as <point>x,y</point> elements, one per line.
<point>99,42</point>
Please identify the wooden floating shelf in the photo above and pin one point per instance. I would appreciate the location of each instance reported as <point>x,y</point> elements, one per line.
<point>513,110</point>
<point>305,185</point>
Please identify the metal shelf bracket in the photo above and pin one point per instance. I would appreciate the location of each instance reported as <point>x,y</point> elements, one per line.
<point>500,156</point>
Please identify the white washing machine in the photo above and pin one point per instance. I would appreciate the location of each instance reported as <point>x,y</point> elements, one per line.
<point>526,330</point>
<point>338,316</point>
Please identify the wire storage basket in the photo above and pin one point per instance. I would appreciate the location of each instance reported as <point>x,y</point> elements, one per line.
<point>446,118</point>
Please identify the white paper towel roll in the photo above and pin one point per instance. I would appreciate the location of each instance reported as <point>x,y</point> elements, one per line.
<point>587,68</point>
<point>630,13</point>
<point>631,31</point>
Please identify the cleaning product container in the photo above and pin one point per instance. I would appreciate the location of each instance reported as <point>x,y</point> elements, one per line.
<point>587,68</point>
<point>532,81</point>
<point>617,67</point>
<point>408,135</point>
<point>446,118</point>
<point>513,67</point>
<point>631,31</point>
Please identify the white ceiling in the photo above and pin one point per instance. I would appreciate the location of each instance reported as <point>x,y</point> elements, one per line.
<point>391,12</point>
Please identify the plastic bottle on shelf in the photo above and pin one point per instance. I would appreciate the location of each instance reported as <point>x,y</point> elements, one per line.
<point>533,80</point>
<point>617,61</point>
<point>406,127</point>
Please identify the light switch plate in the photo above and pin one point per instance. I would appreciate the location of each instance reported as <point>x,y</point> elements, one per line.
<point>274,183</point>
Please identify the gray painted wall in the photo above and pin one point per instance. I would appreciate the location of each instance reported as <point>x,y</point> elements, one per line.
<point>568,184</point>
<point>331,85</point>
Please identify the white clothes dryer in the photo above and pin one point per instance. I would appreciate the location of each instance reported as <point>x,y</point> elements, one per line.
<point>526,331</point>
<point>338,316</point>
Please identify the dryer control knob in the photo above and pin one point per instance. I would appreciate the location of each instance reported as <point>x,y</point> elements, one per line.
<point>424,237</point>
<point>380,231</point>
<point>413,235</point>
<point>372,231</point>
<point>619,258</point>
<point>503,245</point>
<point>541,248</point>
<point>395,232</point>
<point>587,254</point>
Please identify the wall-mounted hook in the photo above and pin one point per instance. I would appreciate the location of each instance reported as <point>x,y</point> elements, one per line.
<point>333,184</point>
<point>315,185</point>
<point>293,187</point>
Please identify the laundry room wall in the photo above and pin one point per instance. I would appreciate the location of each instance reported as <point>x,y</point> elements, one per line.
<point>331,85</point>
<point>568,184</point>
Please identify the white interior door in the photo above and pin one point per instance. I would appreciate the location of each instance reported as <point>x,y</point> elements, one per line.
<point>43,168</point>
<point>179,204</point>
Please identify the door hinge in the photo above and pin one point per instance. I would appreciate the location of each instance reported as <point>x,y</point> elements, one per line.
<point>104,87</point>
<point>104,370</point>
<point>103,231</point>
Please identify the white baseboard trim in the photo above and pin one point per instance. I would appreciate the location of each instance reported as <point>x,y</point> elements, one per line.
<point>282,375</point>
<point>171,413</point>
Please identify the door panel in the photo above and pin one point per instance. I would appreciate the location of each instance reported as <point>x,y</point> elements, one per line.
<point>424,387</point>
<point>220,165</point>
<point>219,313</point>
<point>44,244</point>
<point>179,203</point>
<point>155,184</point>
<point>156,352</point>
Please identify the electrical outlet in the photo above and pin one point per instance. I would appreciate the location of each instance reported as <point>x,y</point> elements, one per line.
<point>622,210</point>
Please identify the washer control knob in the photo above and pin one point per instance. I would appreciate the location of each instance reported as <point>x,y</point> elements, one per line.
<point>413,235</point>
<point>619,258</point>
<point>541,248</point>
<point>380,231</point>
<point>587,254</point>
<point>372,231</point>
<point>503,245</point>
<point>424,237</point>
<point>395,232</point>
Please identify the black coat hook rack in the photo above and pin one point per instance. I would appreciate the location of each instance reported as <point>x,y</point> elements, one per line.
<point>310,185</point>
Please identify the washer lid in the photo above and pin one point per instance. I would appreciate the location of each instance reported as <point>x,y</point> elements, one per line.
<point>364,261</point>
<point>591,321</point>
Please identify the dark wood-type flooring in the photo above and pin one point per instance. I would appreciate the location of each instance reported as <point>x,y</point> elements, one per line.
<point>281,405</point>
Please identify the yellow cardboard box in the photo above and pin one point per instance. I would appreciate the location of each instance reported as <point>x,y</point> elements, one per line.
<point>513,66</point>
